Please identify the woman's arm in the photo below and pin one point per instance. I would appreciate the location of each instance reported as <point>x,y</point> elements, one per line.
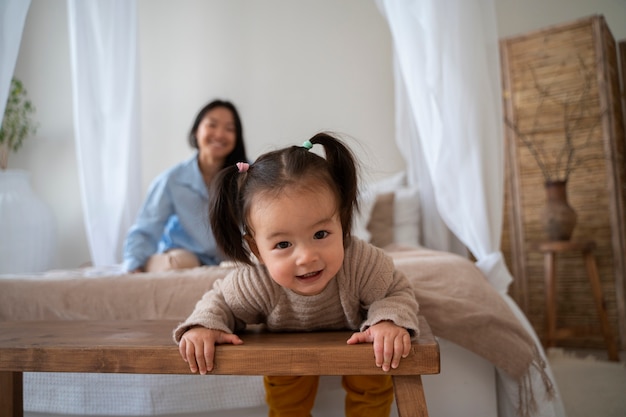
<point>143,237</point>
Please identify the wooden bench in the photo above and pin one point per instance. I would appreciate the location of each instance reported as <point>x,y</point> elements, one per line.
<point>146,347</point>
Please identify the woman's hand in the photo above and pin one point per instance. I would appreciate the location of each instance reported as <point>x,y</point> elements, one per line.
<point>197,347</point>
<point>391,343</point>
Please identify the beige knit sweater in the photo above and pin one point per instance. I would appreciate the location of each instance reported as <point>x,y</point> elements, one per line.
<point>366,290</point>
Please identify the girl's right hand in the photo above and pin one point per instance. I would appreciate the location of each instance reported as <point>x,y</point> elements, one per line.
<point>197,347</point>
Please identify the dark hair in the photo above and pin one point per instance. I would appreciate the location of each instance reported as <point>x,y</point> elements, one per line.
<point>232,192</point>
<point>239,153</point>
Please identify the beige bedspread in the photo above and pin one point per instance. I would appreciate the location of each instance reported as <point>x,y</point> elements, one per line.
<point>453,294</point>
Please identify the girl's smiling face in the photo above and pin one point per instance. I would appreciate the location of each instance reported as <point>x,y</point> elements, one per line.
<point>297,235</point>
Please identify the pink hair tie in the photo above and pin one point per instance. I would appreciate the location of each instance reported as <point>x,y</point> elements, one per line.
<point>242,167</point>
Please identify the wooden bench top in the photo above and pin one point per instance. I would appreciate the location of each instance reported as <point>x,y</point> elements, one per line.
<point>146,347</point>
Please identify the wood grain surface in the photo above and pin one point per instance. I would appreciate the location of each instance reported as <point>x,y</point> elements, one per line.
<point>147,347</point>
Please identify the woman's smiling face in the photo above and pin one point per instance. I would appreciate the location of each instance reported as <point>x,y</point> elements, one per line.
<point>297,235</point>
<point>216,134</point>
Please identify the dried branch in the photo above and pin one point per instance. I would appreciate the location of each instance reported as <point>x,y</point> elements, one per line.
<point>575,109</point>
<point>536,153</point>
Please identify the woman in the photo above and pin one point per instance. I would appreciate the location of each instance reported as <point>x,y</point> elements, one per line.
<point>172,230</point>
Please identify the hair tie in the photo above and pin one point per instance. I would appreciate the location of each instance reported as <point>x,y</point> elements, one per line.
<point>307,145</point>
<point>242,167</point>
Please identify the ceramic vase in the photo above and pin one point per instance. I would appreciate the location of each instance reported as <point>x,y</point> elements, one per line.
<point>27,226</point>
<point>559,218</point>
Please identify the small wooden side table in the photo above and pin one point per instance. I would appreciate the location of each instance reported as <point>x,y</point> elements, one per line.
<point>550,250</point>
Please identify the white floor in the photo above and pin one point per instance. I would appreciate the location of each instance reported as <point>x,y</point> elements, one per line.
<point>590,385</point>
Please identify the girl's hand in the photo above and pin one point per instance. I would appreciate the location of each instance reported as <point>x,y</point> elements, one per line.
<point>391,343</point>
<point>197,347</point>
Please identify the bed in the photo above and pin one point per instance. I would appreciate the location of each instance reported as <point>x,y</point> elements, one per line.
<point>489,364</point>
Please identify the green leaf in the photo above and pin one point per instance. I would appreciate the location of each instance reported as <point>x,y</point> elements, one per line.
<point>17,123</point>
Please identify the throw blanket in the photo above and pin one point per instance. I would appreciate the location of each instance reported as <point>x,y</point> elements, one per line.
<point>453,295</point>
<point>461,306</point>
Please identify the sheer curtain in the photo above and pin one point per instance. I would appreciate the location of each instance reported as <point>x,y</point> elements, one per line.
<point>12,17</point>
<point>450,126</point>
<point>104,62</point>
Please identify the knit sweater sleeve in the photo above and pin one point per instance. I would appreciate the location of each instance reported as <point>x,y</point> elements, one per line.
<point>243,297</point>
<point>384,292</point>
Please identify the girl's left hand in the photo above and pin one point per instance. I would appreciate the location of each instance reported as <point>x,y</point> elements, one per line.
<point>391,343</point>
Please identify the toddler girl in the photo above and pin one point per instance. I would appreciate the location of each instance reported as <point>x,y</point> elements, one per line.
<point>292,209</point>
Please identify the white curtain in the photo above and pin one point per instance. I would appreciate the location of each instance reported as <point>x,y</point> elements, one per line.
<point>449,108</point>
<point>12,17</point>
<point>434,232</point>
<point>104,62</point>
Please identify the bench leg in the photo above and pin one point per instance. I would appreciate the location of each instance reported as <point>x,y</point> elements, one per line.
<point>11,398</point>
<point>410,398</point>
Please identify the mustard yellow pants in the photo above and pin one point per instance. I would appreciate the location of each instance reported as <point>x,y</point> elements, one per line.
<point>293,396</point>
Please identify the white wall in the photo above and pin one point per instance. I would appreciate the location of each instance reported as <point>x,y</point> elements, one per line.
<point>519,16</point>
<point>293,67</point>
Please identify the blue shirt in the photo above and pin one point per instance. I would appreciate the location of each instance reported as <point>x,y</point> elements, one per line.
<point>175,214</point>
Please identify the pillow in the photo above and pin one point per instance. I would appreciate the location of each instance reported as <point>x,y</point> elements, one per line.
<point>360,218</point>
<point>380,225</point>
<point>389,184</point>
<point>406,212</point>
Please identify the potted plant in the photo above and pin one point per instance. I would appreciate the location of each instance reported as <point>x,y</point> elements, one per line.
<point>17,123</point>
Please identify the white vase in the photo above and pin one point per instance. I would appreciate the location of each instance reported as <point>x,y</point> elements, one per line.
<point>27,226</point>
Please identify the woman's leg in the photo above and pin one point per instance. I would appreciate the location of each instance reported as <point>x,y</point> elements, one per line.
<point>172,259</point>
<point>290,396</point>
<point>368,395</point>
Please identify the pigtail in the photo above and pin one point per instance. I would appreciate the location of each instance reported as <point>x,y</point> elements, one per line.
<point>343,167</point>
<point>225,214</point>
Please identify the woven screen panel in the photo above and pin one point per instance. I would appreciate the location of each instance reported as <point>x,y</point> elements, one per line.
<point>561,86</point>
